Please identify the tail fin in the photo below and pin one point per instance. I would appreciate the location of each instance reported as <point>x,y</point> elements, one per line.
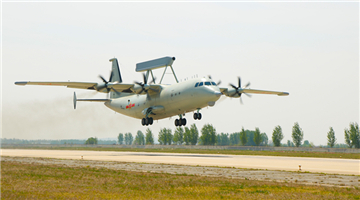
<point>115,76</point>
<point>115,71</point>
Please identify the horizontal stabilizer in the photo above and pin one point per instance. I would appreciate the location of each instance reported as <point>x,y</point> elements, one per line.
<point>91,100</point>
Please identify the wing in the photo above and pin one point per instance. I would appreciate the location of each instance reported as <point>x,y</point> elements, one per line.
<point>69,84</point>
<point>229,92</point>
<point>119,87</point>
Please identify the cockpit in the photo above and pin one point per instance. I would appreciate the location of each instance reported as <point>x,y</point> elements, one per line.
<point>208,83</point>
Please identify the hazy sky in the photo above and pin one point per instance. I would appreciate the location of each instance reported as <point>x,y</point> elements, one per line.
<point>310,50</point>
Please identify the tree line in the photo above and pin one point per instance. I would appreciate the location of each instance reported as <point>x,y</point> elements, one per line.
<point>209,136</point>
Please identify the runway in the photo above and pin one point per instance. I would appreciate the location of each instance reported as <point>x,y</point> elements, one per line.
<point>319,165</point>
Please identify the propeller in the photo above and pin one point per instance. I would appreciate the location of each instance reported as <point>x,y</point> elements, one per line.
<point>239,89</point>
<point>144,86</point>
<point>105,85</point>
<point>218,83</point>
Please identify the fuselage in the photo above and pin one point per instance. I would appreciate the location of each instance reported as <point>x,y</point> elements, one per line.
<point>175,99</point>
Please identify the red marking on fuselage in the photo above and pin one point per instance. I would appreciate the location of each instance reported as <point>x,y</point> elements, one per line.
<point>130,106</point>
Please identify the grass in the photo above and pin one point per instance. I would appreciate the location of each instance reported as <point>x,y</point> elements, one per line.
<point>216,151</point>
<point>37,181</point>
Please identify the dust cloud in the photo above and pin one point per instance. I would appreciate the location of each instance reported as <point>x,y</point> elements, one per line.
<point>58,120</point>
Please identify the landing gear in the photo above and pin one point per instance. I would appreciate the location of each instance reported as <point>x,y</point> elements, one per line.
<point>180,122</point>
<point>197,116</point>
<point>147,121</point>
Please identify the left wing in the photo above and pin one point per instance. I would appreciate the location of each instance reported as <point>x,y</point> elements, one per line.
<point>230,92</point>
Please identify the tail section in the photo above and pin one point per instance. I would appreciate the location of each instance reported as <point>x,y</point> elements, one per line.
<point>115,76</point>
<point>115,71</point>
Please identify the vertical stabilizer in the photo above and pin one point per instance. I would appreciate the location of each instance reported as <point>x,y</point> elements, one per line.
<point>115,77</point>
<point>115,71</point>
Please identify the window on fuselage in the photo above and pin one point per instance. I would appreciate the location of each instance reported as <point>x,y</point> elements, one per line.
<point>197,84</point>
<point>207,83</point>
<point>213,83</point>
<point>201,84</point>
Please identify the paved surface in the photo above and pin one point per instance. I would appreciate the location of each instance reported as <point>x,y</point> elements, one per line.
<point>234,173</point>
<point>320,165</point>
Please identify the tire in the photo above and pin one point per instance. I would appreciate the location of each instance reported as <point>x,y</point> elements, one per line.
<point>176,122</point>
<point>183,122</point>
<point>151,120</point>
<point>143,121</point>
<point>199,116</point>
<point>195,116</point>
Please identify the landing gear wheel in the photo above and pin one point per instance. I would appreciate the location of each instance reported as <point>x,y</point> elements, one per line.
<point>143,121</point>
<point>176,122</point>
<point>195,116</point>
<point>151,120</point>
<point>183,122</point>
<point>199,116</point>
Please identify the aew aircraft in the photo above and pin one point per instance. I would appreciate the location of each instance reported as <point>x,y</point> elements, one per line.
<point>151,101</point>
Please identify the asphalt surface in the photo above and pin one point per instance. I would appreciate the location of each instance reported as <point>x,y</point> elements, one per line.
<point>319,165</point>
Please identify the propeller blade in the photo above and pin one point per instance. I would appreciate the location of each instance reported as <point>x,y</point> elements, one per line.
<point>247,94</point>
<point>241,101</point>
<point>239,82</point>
<point>233,86</point>
<point>218,83</point>
<point>103,79</point>
<point>141,84</point>
<point>209,77</point>
<point>247,85</point>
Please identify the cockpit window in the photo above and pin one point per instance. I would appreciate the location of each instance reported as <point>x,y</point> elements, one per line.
<point>213,83</point>
<point>207,83</point>
<point>201,84</point>
<point>197,84</point>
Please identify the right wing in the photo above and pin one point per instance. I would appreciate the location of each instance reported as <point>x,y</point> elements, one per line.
<point>100,87</point>
<point>78,85</point>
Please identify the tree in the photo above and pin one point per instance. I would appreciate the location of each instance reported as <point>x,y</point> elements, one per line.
<point>297,134</point>
<point>149,138</point>
<point>179,136</point>
<point>208,135</point>
<point>223,139</point>
<point>194,134</point>
<point>277,136</point>
<point>306,143</point>
<point>165,136</point>
<point>234,138</point>
<point>128,138</point>
<point>243,137</point>
<point>257,137</point>
<point>264,139</point>
<point>121,138</point>
<point>352,136</point>
<point>331,138</point>
<point>139,138</point>
<point>91,140</point>
<point>187,136</point>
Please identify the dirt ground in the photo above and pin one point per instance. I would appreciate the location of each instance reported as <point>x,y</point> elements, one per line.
<point>262,175</point>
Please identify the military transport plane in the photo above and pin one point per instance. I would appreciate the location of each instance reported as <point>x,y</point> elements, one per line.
<point>151,101</point>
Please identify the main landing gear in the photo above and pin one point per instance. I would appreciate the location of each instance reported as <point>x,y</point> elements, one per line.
<point>147,121</point>
<point>180,122</point>
<point>197,115</point>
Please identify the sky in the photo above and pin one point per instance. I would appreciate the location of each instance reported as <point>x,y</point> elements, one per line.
<point>309,49</point>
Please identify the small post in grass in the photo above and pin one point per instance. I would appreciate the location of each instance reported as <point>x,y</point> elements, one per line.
<point>299,167</point>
